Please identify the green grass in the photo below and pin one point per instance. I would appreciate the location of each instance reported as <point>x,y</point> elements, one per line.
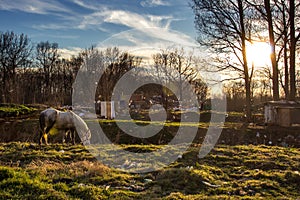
<point>71,172</point>
<point>13,110</point>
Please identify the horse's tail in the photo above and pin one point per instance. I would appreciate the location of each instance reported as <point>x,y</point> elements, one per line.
<point>42,121</point>
<point>47,120</point>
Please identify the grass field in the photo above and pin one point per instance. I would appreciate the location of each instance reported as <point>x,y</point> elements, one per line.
<point>71,172</point>
<point>234,169</point>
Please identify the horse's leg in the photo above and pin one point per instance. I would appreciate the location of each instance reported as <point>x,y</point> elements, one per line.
<point>70,135</point>
<point>41,138</point>
<point>42,126</point>
<point>46,138</point>
<point>45,134</point>
<point>65,136</point>
<point>73,136</point>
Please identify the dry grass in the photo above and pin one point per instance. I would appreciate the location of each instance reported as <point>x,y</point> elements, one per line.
<point>228,172</point>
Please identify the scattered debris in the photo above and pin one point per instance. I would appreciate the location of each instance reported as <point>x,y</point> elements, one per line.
<point>128,165</point>
<point>81,185</point>
<point>210,185</point>
<point>147,180</point>
<point>270,142</point>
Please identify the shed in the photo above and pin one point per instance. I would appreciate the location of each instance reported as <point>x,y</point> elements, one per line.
<point>282,113</point>
<point>107,109</point>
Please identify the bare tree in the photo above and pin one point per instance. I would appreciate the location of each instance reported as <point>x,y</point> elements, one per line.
<point>225,27</point>
<point>175,66</point>
<point>47,57</point>
<point>111,64</point>
<point>15,51</point>
<point>118,63</point>
<point>283,21</point>
<point>235,93</point>
<point>273,52</point>
<point>293,42</point>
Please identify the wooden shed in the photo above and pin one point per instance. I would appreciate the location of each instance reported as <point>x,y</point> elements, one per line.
<point>282,113</point>
<point>107,109</point>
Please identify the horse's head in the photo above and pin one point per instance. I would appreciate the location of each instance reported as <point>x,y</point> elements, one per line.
<point>86,139</point>
<point>82,129</point>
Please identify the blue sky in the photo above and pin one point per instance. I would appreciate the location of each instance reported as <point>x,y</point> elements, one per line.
<point>77,24</point>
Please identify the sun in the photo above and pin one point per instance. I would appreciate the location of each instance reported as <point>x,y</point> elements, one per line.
<point>258,54</point>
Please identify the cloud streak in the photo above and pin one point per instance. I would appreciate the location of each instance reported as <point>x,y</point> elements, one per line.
<point>67,53</point>
<point>140,29</point>
<point>155,27</point>
<point>154,3</point>
<point>34,6</point>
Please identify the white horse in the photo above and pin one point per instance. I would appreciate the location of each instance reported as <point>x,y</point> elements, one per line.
<point>63,121</point>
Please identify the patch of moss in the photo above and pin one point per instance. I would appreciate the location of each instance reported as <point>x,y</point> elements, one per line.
<point>14,110</point>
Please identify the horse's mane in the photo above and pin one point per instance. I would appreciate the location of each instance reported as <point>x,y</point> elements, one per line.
<point>81,127</point>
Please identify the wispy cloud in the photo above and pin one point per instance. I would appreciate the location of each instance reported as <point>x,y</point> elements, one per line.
<point>142,29</point>
<point>154,3</point>
<point>125,18</point>
<point>91,4</point>
<point>67,53</point>
<point>59,36</point>
<point>155,27</point>
<point>57,26</point>
<point>34,6</point>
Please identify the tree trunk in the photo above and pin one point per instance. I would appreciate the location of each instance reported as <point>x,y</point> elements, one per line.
<point>292,51</point>
<point>273,53</point>
<point>285,53</point>
<point>245,63</point>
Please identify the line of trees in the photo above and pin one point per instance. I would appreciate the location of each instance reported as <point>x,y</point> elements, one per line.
<point>33,74</point>
<point>36,74</point>
<point>226,26</point>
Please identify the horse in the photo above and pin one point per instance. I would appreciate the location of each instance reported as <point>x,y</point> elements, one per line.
<point>63,121</point>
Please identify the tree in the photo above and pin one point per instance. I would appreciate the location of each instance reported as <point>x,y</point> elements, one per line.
<point>293,41</point>
<point>15,51</point>
<point>47,58</point>
<point>283,19</point>
<point>235,94</point>
<point>273,52</point>
<point>225,27</point>
<point>118,63</point>
<point>111,64</point>
<point>175,66</point>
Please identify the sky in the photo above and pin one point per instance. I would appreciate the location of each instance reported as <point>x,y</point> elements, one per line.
<point>79,24</point>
